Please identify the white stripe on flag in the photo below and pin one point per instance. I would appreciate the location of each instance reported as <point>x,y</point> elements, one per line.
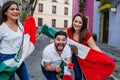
<point>82,50</point>
<point>28,47</point>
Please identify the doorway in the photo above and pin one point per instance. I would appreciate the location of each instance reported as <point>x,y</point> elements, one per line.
<point>105,26</point>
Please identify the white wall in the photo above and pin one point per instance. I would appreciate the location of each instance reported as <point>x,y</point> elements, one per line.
<point>114,28</point>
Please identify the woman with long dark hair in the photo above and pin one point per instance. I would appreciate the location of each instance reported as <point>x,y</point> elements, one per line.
<point>11,33</point>
<point>80,33</point>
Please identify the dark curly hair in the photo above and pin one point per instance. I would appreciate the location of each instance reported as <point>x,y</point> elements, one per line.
<point>60,33</point>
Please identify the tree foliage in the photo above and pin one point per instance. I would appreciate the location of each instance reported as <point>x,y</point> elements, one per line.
<point>82,4</point>
<point>27,8</point>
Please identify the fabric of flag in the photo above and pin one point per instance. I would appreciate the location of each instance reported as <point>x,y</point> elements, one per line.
<point>94,64</point>
<point>48,31</point>
<point>62,64</point>
<point>8,67</point>
<point>65,74</point>
<point>67,77</point>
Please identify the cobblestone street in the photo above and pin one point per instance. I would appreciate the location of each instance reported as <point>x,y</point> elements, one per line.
<point>114,53</point>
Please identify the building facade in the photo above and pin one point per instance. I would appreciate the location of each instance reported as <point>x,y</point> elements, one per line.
<point>106,21</point>
<point>55,13</point>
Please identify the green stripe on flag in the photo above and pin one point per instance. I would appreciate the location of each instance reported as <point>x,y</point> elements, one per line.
<point>6,71</point>
<point>48,31</point>
<point>62,65</point>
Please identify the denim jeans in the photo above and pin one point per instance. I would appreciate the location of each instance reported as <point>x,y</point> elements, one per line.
<point>50,75</point>
<point>21,71</point>
<point>77,70</point>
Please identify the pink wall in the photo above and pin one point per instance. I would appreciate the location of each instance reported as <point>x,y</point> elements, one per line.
<point>89,11</point>
<point>75,7</point>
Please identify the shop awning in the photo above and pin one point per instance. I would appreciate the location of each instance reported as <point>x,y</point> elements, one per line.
<point>105,6</point>
<point>104,1</point>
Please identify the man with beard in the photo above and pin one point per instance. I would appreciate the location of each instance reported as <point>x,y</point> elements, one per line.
<point>52,55</point>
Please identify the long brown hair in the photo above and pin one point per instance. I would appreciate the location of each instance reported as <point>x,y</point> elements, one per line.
<point>83,29</point>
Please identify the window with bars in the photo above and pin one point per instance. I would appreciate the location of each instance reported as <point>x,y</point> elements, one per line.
<point>65,11</point>
<point>40,21</point>
<point>40,7</point>
<point>54,9</point>
<point>65,23</point>
<point>66,1</point>
<point>53,22</point>
<point>54,0</point>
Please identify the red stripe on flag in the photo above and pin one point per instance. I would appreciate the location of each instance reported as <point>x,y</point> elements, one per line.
<point>30,28</point>
<point>67,77</point>
<point>96,66</point>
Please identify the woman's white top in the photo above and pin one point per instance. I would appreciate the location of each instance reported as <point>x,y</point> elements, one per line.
<point>10,41</point>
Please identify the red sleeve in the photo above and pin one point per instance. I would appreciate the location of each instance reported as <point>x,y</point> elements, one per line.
<point>69,32</point>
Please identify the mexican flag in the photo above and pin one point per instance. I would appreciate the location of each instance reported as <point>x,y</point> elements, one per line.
<point>8,67</point>
<point>94,64</point>
<point>66,73</point>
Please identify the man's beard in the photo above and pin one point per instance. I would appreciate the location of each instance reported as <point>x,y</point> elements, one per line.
<point>59,46</point>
